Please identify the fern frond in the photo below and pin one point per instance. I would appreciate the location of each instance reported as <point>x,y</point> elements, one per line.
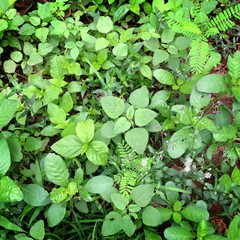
<point>223,21</point>
<point>127,183</point>
<point>188,29</point>
<point>212,61</point>
<point>198,54</point>
<point>233,66</point>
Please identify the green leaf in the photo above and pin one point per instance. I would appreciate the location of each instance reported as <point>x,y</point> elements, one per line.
<point>118,201</point>
<point>35,195</point>
<point>112,224</point>
<point>14,148</point>
<point>26,29</point>
<point>44,48</point>
<point>198,99</point>
<point>128,226</point>
<point>139,97</point>
<point>137,138</point>
<point>104,24</point>
<point>16,56</point>
<point>42,33</point>
<point>195,213</point>
<point>3,25</point>
<point>214,237</point>
<point>146,71</point>
<point>32,144</point>
<point>236,92</point>
<point>121,11</point>
<point>202,229</point>
<point>151,217</point>
<point>69,146</point>
<point>56,169</point>
<point>99,184</point>
<point>228,132</point>
<point>9,66</point>
<point>74,52</point>
<point>58,195</point>
<point>101,43</point>
<point>97,153</point>
<point>149,235</point>
<point>37,231</point>
<point>56,114</point>
<point>107,130</point>
<point>164,77</point>
<point>233,66</point>
<point>5,159</point>
<point>8,225</point>
<point>179,233</point>
<point>59,27</point>
<point>234,230</point>
<point>159,98</point>
<point>142,194</point>
<point>85,130</point>
<point>166,213</point>
<point>182,43</point>
<point>212,83</point>
<point>143,116</point>
<point>121,125</point>
<point>167,35</point>
<point>66,102</point>
<point>34,59</point>
<point>113,106</point>
<point>56,213</point>
<point>159,56</point>
<point>9,191</point>
<point>78,177</point>
<point>121,50</point>
<point>44,10</point>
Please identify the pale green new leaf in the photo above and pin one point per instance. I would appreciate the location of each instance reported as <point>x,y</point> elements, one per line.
<point>143,116</point>
<point>121,125</point>
<point>139,98</point>
<point>85,130</point>
<point>5,159</point>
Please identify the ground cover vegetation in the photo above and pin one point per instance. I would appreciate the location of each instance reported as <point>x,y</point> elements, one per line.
<point>119,120</point>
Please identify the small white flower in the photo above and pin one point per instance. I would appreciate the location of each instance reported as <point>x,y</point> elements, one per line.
<point>144,163</point>
<point>207,175</point>
<point>187,168</point>
<point>188,162</point>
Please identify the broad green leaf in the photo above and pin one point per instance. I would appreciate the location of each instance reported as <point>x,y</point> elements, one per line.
<point>56,169</point>
<point>78,177</point>
<point>75,68</point>
<point>166,213</point>
<point>9,191</point>
<point>121,12</point>
<point>104,24</point>
<point>44,48</point>
<point>212,83</point>
<point>107,130</point>
<point>214,237</point>
<point>207,7</point>
<point>183,42</point>
<point>142,194</point>
<point>139,97</point>
<point>66,102</point>
<point>7,110</point>
<point>9,66</point>
<point>37,231</point>
<point>143,116</point>
<point>58,195</point>
<point>56,114</point>
<point>101,43</point>
<point>228,132</point>
<point>35,195</point>
<point>85,130</point>
<point>16,56</point>
<point>146,71</point>
<point>3,25</point>
<point>34,59</point>
<point>112,224</point>
<point>167,35</point>
<point>59,27</point>
<point>137,138</point>
<point>99,184</point>
<point>56,213</point>
<point>97,153</point>
<point>202,229</point>
<point>149,235</point>
<point>27,29</point>
<point>74,52</point>
<point>42,33</point>
<point>69,146</point>
<point>121,125</point>
<point>81,206</point>
<point>159,56</point>
<point>159,98</point>
<point>5,159</point>
<point>195,213</point>
<point>179,233</point>
<point>6,224</point>
<point>126,35</point>
<point>151,217</point>
<point>164,77</point>
<point>234,230</point>
<point>113,106</point>
<point>44,10</point>
<point>118,201</point>
<point>121,50</point>
<point>32,144</point>
<point>152,44</point>
<point>14,148</point>
<point>198,99</point>
<point>128,226</point>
